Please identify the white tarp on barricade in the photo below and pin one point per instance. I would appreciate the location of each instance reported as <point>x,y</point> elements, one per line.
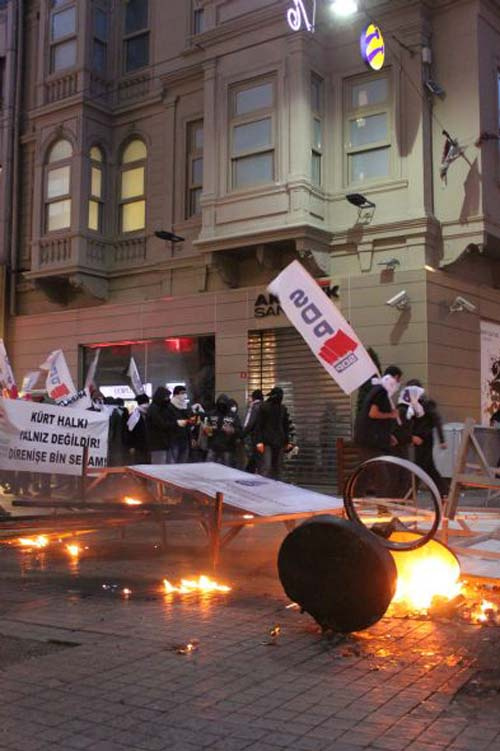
<point>253,493</point>
<point>50,439</point>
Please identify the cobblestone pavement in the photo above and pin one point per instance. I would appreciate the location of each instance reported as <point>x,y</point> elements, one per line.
<point>109,677</point>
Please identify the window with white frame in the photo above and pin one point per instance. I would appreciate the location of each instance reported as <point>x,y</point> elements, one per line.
<point>96,198</point>
<point>198,21</point>
<point>317,109</point>
<point>62,34</point>
<point>194,168</point>
<point>368,129</point>
<point>100,41</point>
<point>136,38</point>
<point>252,134</point>
<point>58,187</point>
<point>133,187</point>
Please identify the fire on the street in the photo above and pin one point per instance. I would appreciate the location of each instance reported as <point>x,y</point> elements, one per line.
<point>427,572</point>
<point>203,584</point>
<point>132,501</point>
<point>74,550</point>
<point>429,582</point>
<point>40,541</point>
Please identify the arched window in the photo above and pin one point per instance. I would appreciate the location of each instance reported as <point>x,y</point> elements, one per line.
<point>58,187</point>
<point>133,187</point>
<point>96,202</point>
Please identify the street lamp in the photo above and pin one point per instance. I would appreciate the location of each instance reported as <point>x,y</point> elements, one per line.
<point>344,8</point>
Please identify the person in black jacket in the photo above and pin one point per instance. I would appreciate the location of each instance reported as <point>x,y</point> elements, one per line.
<point>374,434</point>
<point>423,440</point>
<point>180,419</point>
<point>223,428</point>
<point>254,405</point>
<point>136,438</point>
<point>158,425</point>
<point>272,434</point>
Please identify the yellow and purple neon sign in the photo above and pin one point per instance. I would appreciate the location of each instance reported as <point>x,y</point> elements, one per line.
<point>372,47</point>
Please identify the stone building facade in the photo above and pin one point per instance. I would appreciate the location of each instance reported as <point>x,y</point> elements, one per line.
<point>216,121</point>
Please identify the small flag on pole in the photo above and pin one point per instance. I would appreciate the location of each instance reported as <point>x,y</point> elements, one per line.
<point>135,378</point>
<point>90,379</point>
<point>59,383</point>
<point>7,381</point>
<point>451,151</point>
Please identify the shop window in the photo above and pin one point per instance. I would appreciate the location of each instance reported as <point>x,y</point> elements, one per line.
<point>100,41</point>
<point>58,187</point>
<point>136,37</point>
<point>252,134</point>
<point>317,109</point>
<point>189,360</point>
<point>63,40</point>
<point>194,168</point>
<point>133,187</point>
<point>96,203</point>
<point>368,130</point>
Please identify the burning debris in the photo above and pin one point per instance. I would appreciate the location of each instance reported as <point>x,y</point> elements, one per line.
<point>202,585</point>
<point>132,501</point>
<point>74,550</point>
<point>30,543</point>
<point>187,649</point>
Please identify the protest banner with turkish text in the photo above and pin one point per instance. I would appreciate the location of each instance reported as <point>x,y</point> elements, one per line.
<point>50,439</point>
<point>322,326</point>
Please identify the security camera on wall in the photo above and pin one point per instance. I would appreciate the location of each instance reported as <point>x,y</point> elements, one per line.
<point>460,304</point>
<point>401,301</point>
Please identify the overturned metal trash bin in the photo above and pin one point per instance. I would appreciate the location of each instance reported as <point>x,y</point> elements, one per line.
<point>338,572</point>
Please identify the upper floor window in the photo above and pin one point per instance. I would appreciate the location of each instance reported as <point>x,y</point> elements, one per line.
<point>58,187</point>
<point>252,134</point>
<point>194,168</point>
<point>63,39</point>
<point>317,109</point>
<point>136,34</point>
<point>133,187</point>
<point>198,20</point>
<point>96,189</point>
<point>368,129</point>
<point>100,41</point>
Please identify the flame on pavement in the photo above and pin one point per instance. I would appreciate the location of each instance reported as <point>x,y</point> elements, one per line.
<point>40,541</point>
<point>132,501</point>
<point>427,572</point>
<point>203,584</point>
<point>74,550</point>
<point>486,612</point>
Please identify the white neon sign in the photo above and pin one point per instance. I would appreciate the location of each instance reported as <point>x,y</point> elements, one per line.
<point>298,15</point>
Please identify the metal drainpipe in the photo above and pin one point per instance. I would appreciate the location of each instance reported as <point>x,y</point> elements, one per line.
<point>15,156</point>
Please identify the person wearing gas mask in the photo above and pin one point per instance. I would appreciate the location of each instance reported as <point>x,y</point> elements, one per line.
<point>223,428</point>
<point>181,420</point>
<point>272,434</point>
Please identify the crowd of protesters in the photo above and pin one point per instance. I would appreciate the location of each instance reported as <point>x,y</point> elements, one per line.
<point>169,430</point>
<point>405,429</point>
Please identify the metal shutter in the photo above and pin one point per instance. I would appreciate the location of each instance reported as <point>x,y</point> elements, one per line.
<point>320,410</point>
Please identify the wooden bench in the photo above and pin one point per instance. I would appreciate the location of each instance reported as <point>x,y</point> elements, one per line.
<point>348,458</point>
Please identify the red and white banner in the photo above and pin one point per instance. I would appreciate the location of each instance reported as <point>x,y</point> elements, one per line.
<point>7,381</point>
<point>59,383</point>
<point>325,330</point>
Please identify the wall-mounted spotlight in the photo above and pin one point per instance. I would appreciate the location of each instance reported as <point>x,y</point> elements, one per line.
<point>390,263</point>
<point>344,8</point>
<point>170,236</point>
<point>461,304</point>
<point>360,201</point>
<point>401,301</point>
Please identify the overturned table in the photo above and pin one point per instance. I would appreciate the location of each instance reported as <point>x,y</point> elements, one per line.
<point>212,489</point>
